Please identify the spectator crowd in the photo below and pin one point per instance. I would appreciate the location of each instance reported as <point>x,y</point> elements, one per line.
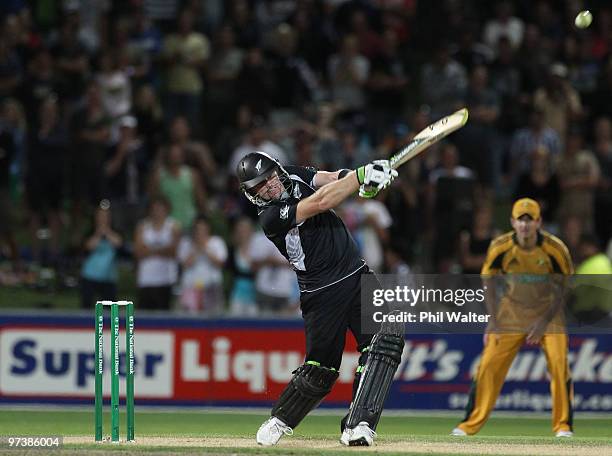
<point>121,124</point>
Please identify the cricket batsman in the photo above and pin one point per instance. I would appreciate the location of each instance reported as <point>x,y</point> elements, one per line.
<point>295,210</point>
<point>530,310</point>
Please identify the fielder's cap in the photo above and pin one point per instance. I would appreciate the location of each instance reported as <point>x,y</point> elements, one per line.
<point>526,206</point>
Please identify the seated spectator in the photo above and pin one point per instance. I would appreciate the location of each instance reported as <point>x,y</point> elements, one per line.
<point>180,184</point>
<point>99,271</point>
<point>202,257</point>
<point>155,245</point>
<point>242,299</point>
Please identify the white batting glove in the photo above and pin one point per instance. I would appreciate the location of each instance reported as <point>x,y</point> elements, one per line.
<point>377,176</point>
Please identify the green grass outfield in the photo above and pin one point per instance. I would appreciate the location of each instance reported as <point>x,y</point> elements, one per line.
<point>180,432</point>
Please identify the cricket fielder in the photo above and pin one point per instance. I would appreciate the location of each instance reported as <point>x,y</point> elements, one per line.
<point>529,311</point>
<point>295,210</point>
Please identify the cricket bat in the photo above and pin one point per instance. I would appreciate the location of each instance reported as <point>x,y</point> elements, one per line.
<point>430,135</point>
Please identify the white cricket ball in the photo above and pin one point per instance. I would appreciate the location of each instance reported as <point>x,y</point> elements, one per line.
<point>583,19</point>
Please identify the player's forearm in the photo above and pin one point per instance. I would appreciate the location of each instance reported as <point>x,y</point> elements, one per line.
<point>333,194</point>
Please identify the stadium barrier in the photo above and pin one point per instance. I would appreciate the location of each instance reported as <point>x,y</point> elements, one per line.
<point>49,359</point>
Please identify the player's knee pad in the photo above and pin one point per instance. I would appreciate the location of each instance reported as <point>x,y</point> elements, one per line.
<point>309,385</point>
<point>384,357</point>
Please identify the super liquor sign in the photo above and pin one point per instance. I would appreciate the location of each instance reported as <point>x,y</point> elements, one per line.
<point>50,359</point>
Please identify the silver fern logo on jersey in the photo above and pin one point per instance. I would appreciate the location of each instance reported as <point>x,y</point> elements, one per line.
<point>284,212</point>
<point>297,193</point>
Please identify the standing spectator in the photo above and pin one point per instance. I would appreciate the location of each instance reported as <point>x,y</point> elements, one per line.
<point>473,243</point>
<point>40,82</point>
<point>11,71</point>
<point>255,85</point>
<point>443,81</point>
<point>295,84</point>
<point>479,138</point>
<point>223,70</point>
<point>528,139</point>
<point>450,197</point>
<point>99,271</point>
<point>275,280</point>
<point>47,152</point>
<point>242,299</point>
<point>91,134</point>
<point>72,61</point>
<point>369,222</point>
<point>115,88</point>
<point>202,257</point>
<point>7,216</point>
<point>180,184</point>
<point>155,246</point>
<point>541,184</point>
<point>603,196</point>
<point>149,118</point>
<point>125,172</point>
<point>185,53</point>
<point>257,139</point>
<point>348,74</point>
<point>558,100</point>
<point>197,153</point>
<point>386,85</point>
<point>504,24</point>
<point>578,175</point>
<point>144,44</point>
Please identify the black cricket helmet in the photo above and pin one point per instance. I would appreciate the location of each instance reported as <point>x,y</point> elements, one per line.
<point>257,167</point>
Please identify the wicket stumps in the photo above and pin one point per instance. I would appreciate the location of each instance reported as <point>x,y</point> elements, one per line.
<point>129,369</point>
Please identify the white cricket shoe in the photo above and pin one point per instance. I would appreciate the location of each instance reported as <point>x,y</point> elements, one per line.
<point>564,434</point>
<point>458,432</point>
<point>271,431</point>
<point>360,435</point>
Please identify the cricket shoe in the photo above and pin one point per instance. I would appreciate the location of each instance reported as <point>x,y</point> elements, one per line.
<point>271,431</point>
<point>564,434</point>
<point>458,432</point>
<point>360,435</point>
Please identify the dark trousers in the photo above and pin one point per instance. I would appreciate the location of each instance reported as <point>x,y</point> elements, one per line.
<point>155,298</point>
<point>328,314</point>
<point>93,290</point>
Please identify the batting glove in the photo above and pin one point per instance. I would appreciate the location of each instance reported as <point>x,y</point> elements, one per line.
<point>375,177</point>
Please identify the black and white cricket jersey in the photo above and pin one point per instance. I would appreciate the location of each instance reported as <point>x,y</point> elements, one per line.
<point>320,249</point>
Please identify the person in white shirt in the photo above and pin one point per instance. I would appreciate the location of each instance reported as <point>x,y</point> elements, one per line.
<point>202,257</point>
<point>155,244</point>
<point>275,281</point>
